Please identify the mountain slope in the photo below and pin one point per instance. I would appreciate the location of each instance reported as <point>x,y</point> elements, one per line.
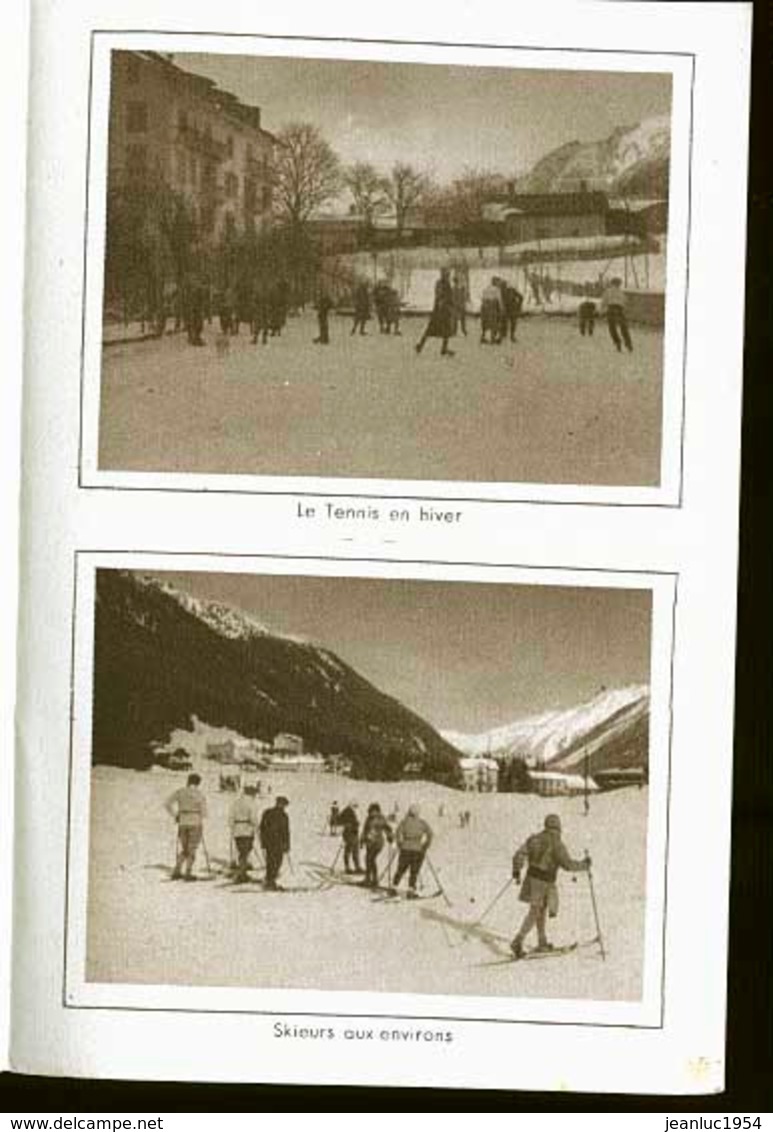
<point>612,728</point>
<point>632,161</point>
<point>162,657</point>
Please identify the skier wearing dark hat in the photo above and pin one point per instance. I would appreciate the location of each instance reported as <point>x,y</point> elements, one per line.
<point>543,853</point>
<point>275,839</point>
<point>350,832</point>
<point>376,831</point>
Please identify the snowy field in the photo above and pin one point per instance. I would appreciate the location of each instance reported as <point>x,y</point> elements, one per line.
<point>551,408</point>
<point>143,928</point>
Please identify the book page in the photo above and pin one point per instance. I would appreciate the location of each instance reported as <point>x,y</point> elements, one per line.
<point>379,536</point>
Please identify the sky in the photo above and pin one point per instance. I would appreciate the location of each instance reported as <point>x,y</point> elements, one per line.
<point>440,118</point>
<point>465,656</point>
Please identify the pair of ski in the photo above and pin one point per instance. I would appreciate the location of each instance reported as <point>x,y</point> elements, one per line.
<point>386,897</point>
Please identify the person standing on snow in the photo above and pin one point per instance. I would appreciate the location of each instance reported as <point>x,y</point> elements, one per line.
<point>275,839</point>
<point>376,831</point>
<point>543,853</point>
<point>349,824</point>
<point>613,305</point>
<point>188,807</point>
<point>414,837</point>
<point>243,822</point>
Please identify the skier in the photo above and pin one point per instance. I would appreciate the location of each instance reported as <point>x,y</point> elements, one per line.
<point>275,839</point>
<point>376,831</point>
<point>350,829</point>
<point>243,822</point>
<point>334,820</point>
<point>413,837</point>
<point>543,853</point>
<point>188,807</point>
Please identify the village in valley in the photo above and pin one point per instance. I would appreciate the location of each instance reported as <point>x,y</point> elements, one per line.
<point>201,707</point>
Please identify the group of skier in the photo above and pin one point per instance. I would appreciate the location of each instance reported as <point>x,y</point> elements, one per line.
<point>535,864</point>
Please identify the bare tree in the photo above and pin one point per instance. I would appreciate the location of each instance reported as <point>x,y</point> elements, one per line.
<point>306,172</point>
<point>461,204</point>
<point>369,190</point>
<point>406,188</point>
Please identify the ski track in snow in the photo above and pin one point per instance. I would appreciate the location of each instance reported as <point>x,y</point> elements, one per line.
<point>144,929</point>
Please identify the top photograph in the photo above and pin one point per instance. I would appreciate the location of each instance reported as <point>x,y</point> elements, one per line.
<point>462,276</point>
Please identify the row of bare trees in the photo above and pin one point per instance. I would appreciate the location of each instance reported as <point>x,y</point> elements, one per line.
<point>155,238</point>
<point>308,174</point>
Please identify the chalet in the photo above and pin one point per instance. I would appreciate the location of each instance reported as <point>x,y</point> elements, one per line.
<point>616,777</point>
<point>523,217</point>
<point>635,217</point>
<point>554,784</point>
<point>287,744</point>
<point>479,774</point>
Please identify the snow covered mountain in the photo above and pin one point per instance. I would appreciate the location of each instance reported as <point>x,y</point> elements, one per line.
<point>632,161</point>
<point>163,657</point>
<point>612,725</point>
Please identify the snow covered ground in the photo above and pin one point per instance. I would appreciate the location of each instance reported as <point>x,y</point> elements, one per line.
<point>143,928</point>
<point>552,408</point>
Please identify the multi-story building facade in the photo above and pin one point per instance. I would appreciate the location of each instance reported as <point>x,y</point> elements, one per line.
<point>170,126</point>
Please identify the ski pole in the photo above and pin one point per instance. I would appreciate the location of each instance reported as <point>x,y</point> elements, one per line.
<point>443,892</point>
<point>206,854</point>
<point>388,870</point>
<point>494,902</point>
<point>599,938</point>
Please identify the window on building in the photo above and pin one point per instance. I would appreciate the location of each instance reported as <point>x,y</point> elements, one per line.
<point>231,185</point>
<point>132,70</point>
<point>265,198</point>
<point>229,145</point>
<point>137,117</point>
<point>182,120</point>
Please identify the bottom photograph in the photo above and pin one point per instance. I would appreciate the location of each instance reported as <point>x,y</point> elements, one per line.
<point>414,785</point>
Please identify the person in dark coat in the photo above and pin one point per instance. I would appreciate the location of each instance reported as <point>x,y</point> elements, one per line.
<point>361,307</point>
<point>278,304</point>
<point>333,819</point>
<point>376,831</point>
<point>512,302</point>
<point>194,302</point>
<point>275,839</point>
<point>543,853</point>
<point>261,313</point>
<point>587,315</point>
<point>349,824</point>
<point>392,311</point>
<point>380,303</point>
<point>324,305</point>
<point>442,321</point>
